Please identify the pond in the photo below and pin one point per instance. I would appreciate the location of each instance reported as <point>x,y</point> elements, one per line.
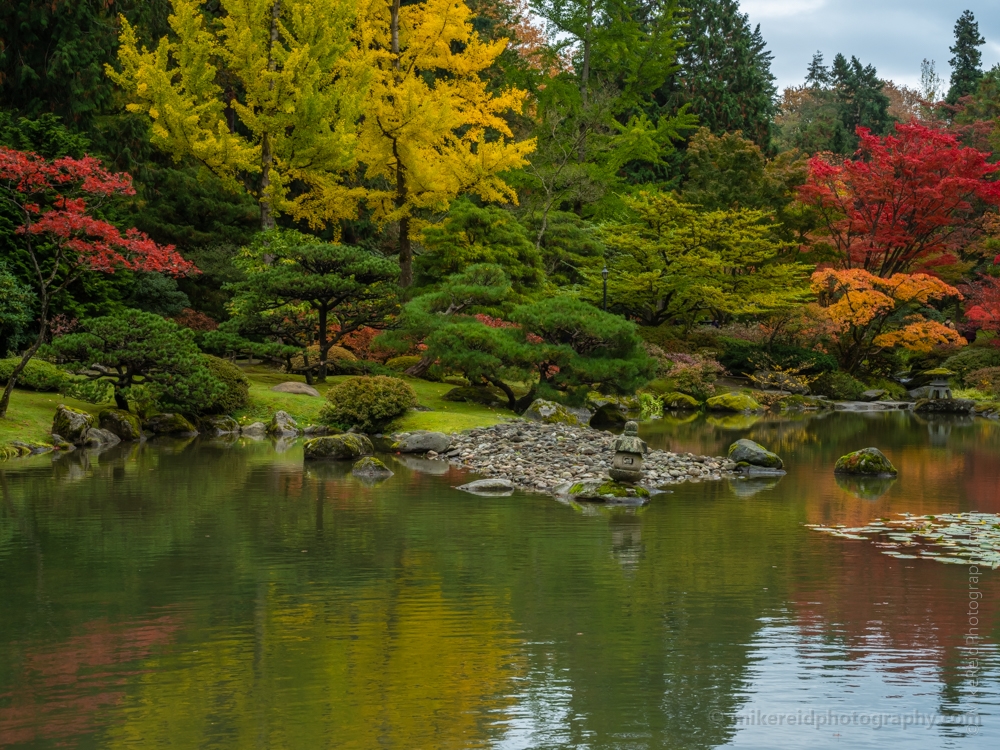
<point>213,595</point>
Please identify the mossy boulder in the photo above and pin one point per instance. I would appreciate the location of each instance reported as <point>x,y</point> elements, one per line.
<point>346,447</point>
<point>282,425</point>
<point>170,424</point>
<point>607,490</point>
<point>218,424</point>
<point>749,453</point>
<point>869,462</point>
<point>677,401</point>
<point>476,395</point>
<point>72,424</point>
<point>550,412</point>
<point>371,468</point>
<point>944,406</point>
<point>732,402</point>
<point>121,423</point>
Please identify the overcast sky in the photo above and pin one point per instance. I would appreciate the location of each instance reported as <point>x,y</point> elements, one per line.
<point>892,35</point>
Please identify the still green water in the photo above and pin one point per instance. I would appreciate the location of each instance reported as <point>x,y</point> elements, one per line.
<point>214,595</point>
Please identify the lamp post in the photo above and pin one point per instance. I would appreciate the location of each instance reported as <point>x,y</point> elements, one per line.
<point>604,275</point>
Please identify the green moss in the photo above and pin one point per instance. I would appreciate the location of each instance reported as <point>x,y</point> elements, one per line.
<point>680,402</point>
<point>732,402</point>
<point>867,462</point>
<point>616,489</point>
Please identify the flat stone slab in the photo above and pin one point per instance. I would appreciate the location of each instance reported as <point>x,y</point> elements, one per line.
<point>301,389</point>
<point>494,487</point>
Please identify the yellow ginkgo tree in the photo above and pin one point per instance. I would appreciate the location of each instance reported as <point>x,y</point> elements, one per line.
<point>430,129</point>
<point>265,93</point>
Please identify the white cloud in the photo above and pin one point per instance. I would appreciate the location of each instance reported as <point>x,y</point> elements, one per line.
<point>762,9</point>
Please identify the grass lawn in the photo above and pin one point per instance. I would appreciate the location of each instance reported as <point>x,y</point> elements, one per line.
<point>445,416</point>
<point>30,415</point>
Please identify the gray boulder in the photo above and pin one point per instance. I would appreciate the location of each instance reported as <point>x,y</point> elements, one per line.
<point>254,430</point>
<point>919,393</point>
<point>301,389</point>
<point>72,424</point>
<point>549,412</point>
<point>753,454</point>
<point>421,441</point>
<point>866,462</point>
<point>170,424</point>
<point>121,423</point>
<point>875,394</point>
<point>346,447</point>
<point>282,425</point>
<point>490,487</point>
<point>371,468</point>
<point>100,439</point>
<point>218,424</point>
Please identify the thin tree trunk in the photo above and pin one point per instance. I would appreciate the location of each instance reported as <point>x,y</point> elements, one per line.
<point>420,369</point>
<point>324,347</point>
<point>120,401</point>
<point>43,326</point>
<point>405,248</point>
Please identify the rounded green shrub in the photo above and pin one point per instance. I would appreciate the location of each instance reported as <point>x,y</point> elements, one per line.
<point>972,358</point>
<point>368,403</point>
<point>38,375</point>
<point>840,386</point>
<point>236,393</point>
<point>399,364</point>
<point>745,357</point>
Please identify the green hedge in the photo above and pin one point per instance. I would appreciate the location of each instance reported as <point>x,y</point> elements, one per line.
<point>39,375</point>
<point>368,403</point>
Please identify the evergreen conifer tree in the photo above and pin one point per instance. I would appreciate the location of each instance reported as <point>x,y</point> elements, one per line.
<point>966,65</point>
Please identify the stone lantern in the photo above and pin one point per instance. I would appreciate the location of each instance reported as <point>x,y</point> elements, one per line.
<point>629,453</point>
<point>939,386</point>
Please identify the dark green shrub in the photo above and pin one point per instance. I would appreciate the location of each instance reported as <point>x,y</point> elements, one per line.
<point>746,357</point>
<point>972,358</point>
<point>368,403</point>
<point>839,385</point>
<point>237,387</point>
<point>986,379</point>
<point>39,375</point>
<point>402,363</point>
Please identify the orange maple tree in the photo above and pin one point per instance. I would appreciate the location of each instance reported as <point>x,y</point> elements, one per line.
<point>869,313</point>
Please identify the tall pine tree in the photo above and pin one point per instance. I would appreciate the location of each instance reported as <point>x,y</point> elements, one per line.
<point>725,71</point>
<point>966,65</point>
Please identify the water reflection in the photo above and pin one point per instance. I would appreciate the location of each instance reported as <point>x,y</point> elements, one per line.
<point>224,594</point>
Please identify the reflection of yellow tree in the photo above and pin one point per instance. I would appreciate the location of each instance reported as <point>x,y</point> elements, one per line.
<point>395,664</point>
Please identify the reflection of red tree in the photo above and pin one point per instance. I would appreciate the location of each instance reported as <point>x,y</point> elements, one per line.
<point>871,602</point>
<point>62,688</point>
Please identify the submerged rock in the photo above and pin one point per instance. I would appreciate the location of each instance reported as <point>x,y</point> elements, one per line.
<point>344,447</point>
<point>549,412</point>
<point>371,468</point>
<point>607,490</point>
<point>254,430</point>
<point>72,424</point>
<point>866,462</point>
<point>753,454</point>
<point>733,402</point>
<point>121,423</point>
<point>421,441</point>
<point>496,486</point>
<point>301,389</point>
<point>170,424</point>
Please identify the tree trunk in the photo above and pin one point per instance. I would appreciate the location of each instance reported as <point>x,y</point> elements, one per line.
<point>420,369</point>
<point>120,401</point>
<point>405,248</point>
<point>324,346</point>
<point>43,326</point>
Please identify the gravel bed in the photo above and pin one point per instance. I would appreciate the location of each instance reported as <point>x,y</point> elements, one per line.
<point>540,457</point>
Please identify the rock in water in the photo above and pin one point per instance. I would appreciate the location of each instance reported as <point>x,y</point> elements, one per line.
<point>549,412</point>
<point>344,447</point>
<point>754,454</point>
<point>680,402</point>
<point>282,425</point>
<point>254,430</point>
<point>218,424</point>
<point>301,389</point>
<point>100,439</point>
<point>494,487</point>
<point>371,468</point>
<point>421,441</point>
<point>170,424</point>
<point>944,406</point>
<point>868,462</point>
<point>608,490</point>
<point>72,424</point>
<point>121,423</point>
<point>732,402</point>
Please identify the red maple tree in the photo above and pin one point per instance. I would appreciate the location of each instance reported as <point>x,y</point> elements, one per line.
<point>982,307</point>
<point>907,202</point>
<point>54,201</point>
